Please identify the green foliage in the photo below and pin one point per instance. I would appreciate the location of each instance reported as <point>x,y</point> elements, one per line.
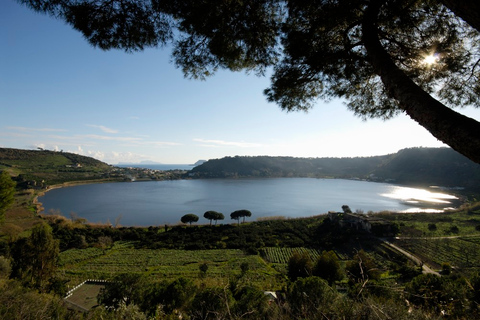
<point>35,258</point>
<point>18,303</point>
<point>163,264</point>
<point>178,294</point>
<point>213,215</point>
<point>5,268</point>
<point>203,269</point>
<point>189,218</point>
<point>124,288</point>
<point>124,312</point>
<point>282,255</point>
<point>212,303</point>
<point>7,192</point>
<point>135,289</point>
<point>40,168</point>
<point>250,303</point>
<point>362,268</point>
<point>299,266</point>
<point>328,267</point>
<point>236,215</point>
<point>312,298</point>
<point>346,209</point>
<point>263,166</point>
<point>446,269</point>
<point>460,252</point>
<point>439,294</point>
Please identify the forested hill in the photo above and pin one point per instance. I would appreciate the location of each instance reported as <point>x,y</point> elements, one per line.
<point>419,166</point>
<point>44,167</point>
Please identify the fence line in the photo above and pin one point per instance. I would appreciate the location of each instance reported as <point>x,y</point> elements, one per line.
<point>70,292</point>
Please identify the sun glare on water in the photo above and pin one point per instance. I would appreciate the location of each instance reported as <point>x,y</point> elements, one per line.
<point>420,198</point>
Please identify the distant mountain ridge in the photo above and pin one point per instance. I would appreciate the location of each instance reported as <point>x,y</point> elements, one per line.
<point>414,166</point>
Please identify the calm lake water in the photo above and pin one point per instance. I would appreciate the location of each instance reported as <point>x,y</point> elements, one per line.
<point>165,202</point>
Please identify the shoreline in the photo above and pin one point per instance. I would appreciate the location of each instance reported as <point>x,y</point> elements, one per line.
<point>39,206</point>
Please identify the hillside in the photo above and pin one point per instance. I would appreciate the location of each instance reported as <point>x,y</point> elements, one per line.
<point>413,166</point>
<point>419,166</point>
<point>430,166</point>
<point>38,168</point>
<point>264,166</point>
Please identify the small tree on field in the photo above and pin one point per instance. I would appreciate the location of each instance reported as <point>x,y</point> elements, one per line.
<point>203,270</point>
<point>189,218</point>
<point>236,215</point>
<point>209,215</point>
<point>219,216</point>
<point>105,242</point>
<point>213,215</point>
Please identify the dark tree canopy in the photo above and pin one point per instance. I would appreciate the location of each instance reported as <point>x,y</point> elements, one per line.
<point>35,258</point>
<point>369,52</point>
<point>299,266</point>
<point>328,267</point>
<point>189,218</point>
<point>236,215</point>
<point>213,215</point>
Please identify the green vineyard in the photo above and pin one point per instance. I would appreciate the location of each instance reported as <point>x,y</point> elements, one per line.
<point>461,252</point>
<point>281,255</point>
<point>162,264</point>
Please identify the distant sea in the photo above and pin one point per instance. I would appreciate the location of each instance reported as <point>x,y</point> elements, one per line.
<point>157,166</point>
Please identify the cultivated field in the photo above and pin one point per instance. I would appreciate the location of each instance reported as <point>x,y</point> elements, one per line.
<point>94,263</point>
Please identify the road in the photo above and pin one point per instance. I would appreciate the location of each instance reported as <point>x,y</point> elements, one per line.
<point>417,261</point>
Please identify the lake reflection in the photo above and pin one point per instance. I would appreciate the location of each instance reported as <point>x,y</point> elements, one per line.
<point>165,202</point>
<point>421,199</point>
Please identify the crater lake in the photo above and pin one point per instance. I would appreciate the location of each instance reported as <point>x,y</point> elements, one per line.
<point>165,202</point>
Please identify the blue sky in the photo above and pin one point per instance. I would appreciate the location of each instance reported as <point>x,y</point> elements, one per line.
<point>59,93</point>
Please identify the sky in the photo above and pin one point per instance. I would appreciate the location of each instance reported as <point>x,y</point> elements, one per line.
<point>57,92</point>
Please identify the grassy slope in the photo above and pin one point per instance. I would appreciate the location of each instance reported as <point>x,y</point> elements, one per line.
<point>34,170</point>
<point>50,167</point>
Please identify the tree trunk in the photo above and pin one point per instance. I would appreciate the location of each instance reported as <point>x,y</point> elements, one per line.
<point>458,131</point>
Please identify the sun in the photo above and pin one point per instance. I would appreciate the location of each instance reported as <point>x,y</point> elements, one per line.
<point>430,59</point>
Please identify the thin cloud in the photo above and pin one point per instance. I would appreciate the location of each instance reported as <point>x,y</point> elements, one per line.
<point>103,128</point>
<point>159,143</point>
<point>222,143</point>
<point>25,129</point>
<point>109,138</point>
<point>125,140</point>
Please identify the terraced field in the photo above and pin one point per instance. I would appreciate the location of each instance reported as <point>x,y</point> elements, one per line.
<point>94,263</point>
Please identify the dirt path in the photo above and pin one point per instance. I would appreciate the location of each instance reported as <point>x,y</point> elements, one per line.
<point>416,260</point>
